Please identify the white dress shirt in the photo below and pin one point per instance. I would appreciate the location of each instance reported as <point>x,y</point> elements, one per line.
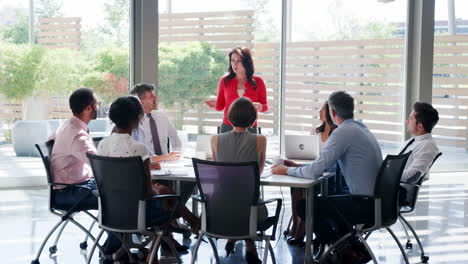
<point>165,130</point>
<point>424,151</point>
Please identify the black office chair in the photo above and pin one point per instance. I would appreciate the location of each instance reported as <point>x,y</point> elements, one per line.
<point>383,204</point>
<point>96,141</point>
<point>408,197</point>
<point>229,193</point>
<point>65,212</point>
<point>122,205</point>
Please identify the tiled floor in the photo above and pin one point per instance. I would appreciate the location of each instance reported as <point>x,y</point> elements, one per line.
<point>441,219</point>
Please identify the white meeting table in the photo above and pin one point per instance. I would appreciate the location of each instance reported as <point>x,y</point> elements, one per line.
<point>182,170</point>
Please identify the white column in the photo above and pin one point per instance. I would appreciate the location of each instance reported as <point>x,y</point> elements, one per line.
<point>144,32</point>
<point>418,55</point>
<point>282,87</point>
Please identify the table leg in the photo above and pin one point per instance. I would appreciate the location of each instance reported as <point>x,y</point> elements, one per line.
<point>177,187</point>
<point>309,224</point>
<point>195,204</point>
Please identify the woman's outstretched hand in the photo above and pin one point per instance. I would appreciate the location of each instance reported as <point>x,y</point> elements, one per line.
<point>210,103</point>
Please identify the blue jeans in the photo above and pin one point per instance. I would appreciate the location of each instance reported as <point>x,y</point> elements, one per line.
<point>65,198</point>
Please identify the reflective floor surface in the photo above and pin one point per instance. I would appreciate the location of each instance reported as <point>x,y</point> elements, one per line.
<point>441,220</point>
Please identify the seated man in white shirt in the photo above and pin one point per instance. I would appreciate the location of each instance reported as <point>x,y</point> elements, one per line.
<point>156,126</point>
<point>420,123</point>
<point>157,130</point>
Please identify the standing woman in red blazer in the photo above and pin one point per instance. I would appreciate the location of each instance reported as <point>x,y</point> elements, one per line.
<point>238,82</point>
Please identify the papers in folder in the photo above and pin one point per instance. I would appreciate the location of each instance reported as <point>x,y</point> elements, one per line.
<point>266,172</point>
<point>161,172</point>
<point>170,172</point>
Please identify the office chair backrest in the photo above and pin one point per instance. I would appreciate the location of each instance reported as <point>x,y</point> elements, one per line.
<point>421,179</point>
<point>228,189</point>
<point>411,191</point>
<point>45,151</point>
<point>387,184</point>
<point>121,185</point>
<point>49,146</point>
<point>96,141</point>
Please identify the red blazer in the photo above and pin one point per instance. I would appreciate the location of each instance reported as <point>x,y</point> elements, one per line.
<point>228,94</point>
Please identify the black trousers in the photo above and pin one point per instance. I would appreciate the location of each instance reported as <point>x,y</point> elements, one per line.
<point>335,215</point>
<point>186,190</point>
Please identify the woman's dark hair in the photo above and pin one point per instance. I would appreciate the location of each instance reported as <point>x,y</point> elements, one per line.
<point>242,113</point>
<point>80,99</point>
<point>247,62</point>
<point>125,111</point>
<point>426,115</point>
<point>329,121</point>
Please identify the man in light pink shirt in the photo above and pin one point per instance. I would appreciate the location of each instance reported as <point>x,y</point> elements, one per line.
<point>69,163</point>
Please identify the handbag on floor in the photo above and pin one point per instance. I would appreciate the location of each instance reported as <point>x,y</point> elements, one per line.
<point>349,251</point>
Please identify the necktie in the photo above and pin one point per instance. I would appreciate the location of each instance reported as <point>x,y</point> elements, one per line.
<point>407,145</point>
<point>154,134</point>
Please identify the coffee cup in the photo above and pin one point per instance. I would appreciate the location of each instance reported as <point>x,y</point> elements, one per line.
<point>278,161</point>
<point>200,155</point>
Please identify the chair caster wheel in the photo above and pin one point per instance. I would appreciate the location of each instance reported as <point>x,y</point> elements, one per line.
<point>53,249</point>
<point>36,261</point>
<point>84,245</point>
<point>424,259</point>
<point>409,245</point>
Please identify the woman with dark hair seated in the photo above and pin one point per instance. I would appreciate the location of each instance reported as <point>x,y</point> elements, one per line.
<point>126,113</point>
<point>297,230</point>
<point>238,145</point>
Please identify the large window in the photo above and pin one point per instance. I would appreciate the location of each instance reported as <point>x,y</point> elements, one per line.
<point>74,44</point>
<point>355,46</point>
<point>194,41</point>
<point>450,83</point>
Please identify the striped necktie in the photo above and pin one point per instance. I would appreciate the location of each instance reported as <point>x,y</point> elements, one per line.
<point>154,135</point>
<point>407,145</point>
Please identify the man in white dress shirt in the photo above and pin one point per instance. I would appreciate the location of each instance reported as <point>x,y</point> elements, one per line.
<point>165,131</point>
<point>156,126</point>
<point>420,123</point>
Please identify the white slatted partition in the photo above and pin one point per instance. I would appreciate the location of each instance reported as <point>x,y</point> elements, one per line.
<point>224,30</point>
<point>60,32</point>
<point>371,70</point>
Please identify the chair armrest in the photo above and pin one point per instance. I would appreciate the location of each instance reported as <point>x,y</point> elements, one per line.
<point>197,198</point>
<point>351,197</point>
<point>268,201</point>
<point>357,196</point>
<point>416,178</point>
<point>279,203</point>
<point>163,196</point>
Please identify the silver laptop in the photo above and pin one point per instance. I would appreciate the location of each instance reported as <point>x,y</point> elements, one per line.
<point>302,147</point>
<point>204,145</point>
